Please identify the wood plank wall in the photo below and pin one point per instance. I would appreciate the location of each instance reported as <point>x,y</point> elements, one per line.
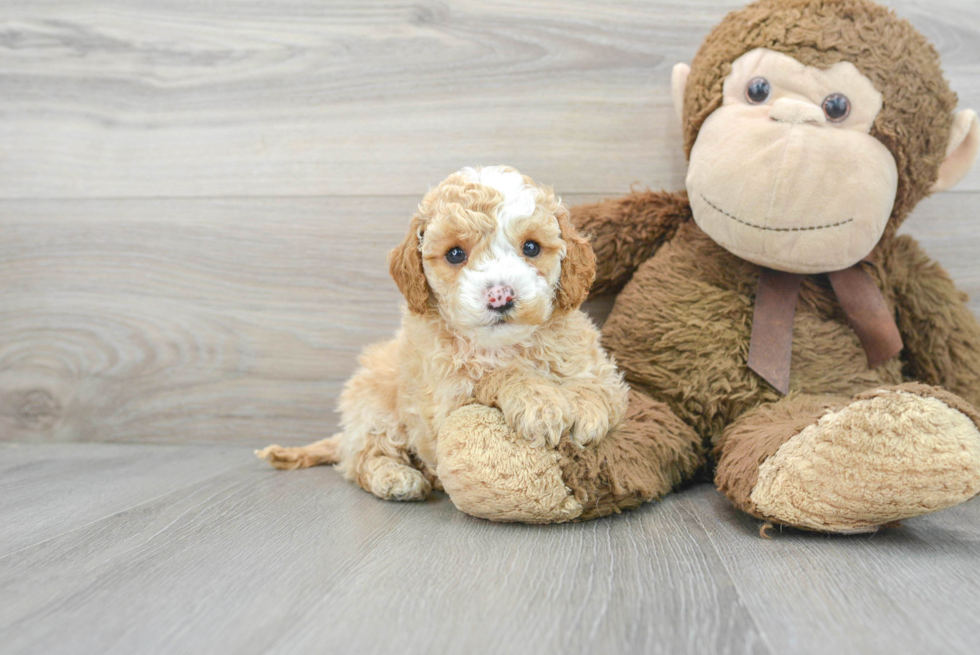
<point>196,199</point>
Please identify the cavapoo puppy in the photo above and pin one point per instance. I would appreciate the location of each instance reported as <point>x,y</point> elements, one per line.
<point>494,274</point>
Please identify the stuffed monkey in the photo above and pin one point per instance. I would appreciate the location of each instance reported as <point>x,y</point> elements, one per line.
<point>771,323</point>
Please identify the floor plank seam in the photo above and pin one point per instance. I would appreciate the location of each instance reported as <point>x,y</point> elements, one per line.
<point>347,196</point>
<point>308,196</point>
<point>731,576</point>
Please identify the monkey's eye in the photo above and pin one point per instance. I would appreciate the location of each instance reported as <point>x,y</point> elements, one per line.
<point>531,249</point>
<point>456,255</point>
<point>758,90</point>
<point>836,106</point>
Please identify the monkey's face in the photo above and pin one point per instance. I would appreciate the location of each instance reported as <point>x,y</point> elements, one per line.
<point>786,173</point>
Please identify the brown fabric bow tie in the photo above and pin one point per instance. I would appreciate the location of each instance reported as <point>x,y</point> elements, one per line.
<point>771,348</point>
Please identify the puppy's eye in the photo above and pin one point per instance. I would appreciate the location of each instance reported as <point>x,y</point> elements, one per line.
<point>531,249</point>
<point>456,255</point>
<point>837,107</point>
<point>758,90</point>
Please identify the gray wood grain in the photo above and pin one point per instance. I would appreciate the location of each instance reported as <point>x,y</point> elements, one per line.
<point>251,560</point>
<point>909,590</point>
<point>190,320</point>
<point>49,490</point>
<point>297,97</point>
<point>229,320</point>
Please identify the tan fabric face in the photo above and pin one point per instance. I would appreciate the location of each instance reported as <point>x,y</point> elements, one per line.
<point>777,183</point>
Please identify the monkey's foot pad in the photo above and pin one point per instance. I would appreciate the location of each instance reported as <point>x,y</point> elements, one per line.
<point>490,472</point>
<point>887,456</point>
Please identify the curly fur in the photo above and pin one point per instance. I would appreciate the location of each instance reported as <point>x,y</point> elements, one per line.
<point>550,378</point>
<point>405,267</point>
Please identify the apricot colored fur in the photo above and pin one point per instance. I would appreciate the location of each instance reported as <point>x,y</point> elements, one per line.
<point>555,384</point>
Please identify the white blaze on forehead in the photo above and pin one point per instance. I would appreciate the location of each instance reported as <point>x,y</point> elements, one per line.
<point>520,198</point>
<point>502,262</point>
<point>519,201</point>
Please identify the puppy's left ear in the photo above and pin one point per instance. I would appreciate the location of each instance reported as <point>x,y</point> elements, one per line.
<point>578,266</point>
<point>405,265</point>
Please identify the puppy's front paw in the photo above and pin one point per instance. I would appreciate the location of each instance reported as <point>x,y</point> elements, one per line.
<point>596,409</point>
<point>591,424</point>
<point>540,417</point>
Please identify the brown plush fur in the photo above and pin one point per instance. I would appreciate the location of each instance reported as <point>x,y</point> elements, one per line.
<point>758,434</point>
<point>681,325</point>
<point>648,219</point>
<point>629,467</point>
<point>940,332</point>
<point>756,437</point>
<point>680,330</point>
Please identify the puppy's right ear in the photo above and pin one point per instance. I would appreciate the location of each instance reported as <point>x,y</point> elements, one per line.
<point>577,268</point>
<point>405,264</point>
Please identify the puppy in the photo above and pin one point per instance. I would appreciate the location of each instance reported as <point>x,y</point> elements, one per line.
<point>493,274</point>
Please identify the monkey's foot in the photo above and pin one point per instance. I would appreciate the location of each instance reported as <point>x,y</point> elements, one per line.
<point>491,473</point>
<point>888,455</point>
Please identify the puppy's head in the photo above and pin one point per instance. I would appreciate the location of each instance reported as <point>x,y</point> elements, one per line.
<point>495,254</point>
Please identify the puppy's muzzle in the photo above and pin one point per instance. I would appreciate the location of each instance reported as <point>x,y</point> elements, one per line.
<point>500,298</point>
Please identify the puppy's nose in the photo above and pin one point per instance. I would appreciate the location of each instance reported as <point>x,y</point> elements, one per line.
<point>500,298</point>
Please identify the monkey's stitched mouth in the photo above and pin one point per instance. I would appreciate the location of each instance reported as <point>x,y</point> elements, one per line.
<point>774,229</point>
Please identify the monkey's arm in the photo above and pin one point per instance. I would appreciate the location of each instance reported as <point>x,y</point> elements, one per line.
<point>626,231</point>
<point>941,335</point>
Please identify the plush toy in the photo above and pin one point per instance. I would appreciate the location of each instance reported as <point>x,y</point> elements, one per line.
<point>771,314</point>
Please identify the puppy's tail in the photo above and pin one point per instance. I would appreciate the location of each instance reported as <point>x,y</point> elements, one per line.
<point>325,451</point>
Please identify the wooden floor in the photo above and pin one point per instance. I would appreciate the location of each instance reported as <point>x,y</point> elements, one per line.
<point>120,548</point>
<point>196,201</point>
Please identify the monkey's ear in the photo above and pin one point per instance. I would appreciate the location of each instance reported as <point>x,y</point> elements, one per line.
<point>405,265</point>
<point>678,83</point>
<point>961,153</point>
<point>577,267</point>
